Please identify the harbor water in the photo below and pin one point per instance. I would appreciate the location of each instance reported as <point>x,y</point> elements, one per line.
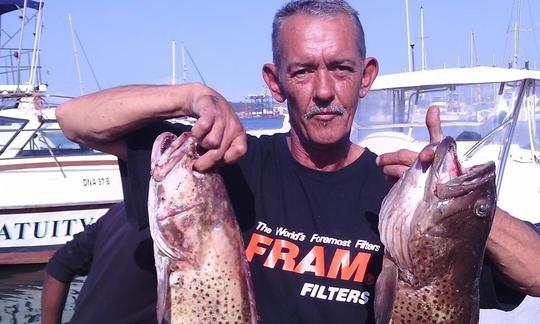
<point>20,294</point>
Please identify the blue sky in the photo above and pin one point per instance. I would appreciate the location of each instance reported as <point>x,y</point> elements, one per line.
<point>129,42</point>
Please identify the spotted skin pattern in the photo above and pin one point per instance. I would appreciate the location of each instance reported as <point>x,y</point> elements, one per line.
<point>203,275</point>
<point>434,224</point>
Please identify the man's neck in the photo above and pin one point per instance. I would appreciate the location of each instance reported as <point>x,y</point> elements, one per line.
<point>326,159</point>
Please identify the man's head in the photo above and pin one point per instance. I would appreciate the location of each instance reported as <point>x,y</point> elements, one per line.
<point>320,68</point>
<point>325,9</point>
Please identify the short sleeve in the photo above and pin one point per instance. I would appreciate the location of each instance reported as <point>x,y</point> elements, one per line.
<point>75,257</point>
<point>494,293</point>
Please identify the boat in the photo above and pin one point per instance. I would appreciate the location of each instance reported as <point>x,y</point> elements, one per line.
<point>493,113</point>
<point>50,188</point>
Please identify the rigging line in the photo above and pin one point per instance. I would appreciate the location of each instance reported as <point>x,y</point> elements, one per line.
<point>533,32</point>
<point>195,65</point>
<point>87,60</point>
<point>10,37</point>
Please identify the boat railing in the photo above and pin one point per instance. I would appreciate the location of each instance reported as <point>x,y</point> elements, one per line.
<point>18,72</point>
<point>42,142</point>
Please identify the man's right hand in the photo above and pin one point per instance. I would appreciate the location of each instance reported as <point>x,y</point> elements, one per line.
<point>103,119</point>
<point>218,130</point>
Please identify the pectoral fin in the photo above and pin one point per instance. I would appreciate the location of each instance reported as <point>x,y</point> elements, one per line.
<point>385,291</point>
<point>163,305</point>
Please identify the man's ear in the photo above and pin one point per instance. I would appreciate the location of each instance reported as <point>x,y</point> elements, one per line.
<point>270,76</point>
<point>371,69</point>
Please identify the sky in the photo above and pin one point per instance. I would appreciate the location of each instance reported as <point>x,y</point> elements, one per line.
<point>130,42</point>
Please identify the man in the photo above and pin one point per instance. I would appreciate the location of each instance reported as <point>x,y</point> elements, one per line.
<point>307,201</point>
<point>118,261</point>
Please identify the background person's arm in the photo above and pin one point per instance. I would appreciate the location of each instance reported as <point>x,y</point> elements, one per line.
<point>53,300</point>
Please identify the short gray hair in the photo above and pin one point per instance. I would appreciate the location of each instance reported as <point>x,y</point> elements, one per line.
<point>320,8</point>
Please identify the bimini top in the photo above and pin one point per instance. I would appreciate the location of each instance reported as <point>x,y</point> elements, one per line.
<point>480,74</point>
<point>10,5</point>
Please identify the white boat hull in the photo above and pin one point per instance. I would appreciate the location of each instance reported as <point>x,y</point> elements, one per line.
<point>44,202</point>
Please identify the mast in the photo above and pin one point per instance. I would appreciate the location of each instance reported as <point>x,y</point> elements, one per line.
<point>409,45</point>
<point>19,50</point>
<point>76,54</point>
<point>515,64</point>
<point>33,81</point>
<point>422,37</point>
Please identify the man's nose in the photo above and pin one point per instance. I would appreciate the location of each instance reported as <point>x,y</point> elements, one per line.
<point>323,87</point>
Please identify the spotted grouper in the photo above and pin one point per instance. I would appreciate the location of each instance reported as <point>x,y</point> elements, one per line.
<point>434,225</point>
<point>203,275</point>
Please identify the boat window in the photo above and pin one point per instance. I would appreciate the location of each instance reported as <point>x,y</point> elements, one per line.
<point>49,140</point>
<point>520,182</point>
<point>9,127</point>
<point>468,112</point>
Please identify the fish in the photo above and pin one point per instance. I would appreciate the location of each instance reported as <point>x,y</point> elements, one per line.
<point>202,272</point>
<point>434,223</point>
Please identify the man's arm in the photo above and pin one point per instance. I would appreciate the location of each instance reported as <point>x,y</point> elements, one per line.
<point>102,119</point>
<point>53,300</point>
<point>514,247</point>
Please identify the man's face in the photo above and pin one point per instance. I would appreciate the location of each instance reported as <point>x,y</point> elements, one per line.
<point>320,76</point>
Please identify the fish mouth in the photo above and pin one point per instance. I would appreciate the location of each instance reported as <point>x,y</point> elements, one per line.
<point>449,179</point>
<point>167,151</point>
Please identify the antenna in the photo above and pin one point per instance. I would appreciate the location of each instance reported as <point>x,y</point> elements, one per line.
<point>474,53</point>
<point>173,79</point>
<point>516,35</point>
<point>409,45</point>
<point>184,65</point>
<point>422,37</point>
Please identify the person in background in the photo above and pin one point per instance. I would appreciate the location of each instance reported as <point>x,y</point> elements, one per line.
<point>307,201</point>
<point>118,261</point>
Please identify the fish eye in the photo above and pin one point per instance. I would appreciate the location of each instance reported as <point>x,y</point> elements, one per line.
<point>482,208</point>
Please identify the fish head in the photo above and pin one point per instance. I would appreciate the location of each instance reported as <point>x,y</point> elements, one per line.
<point>459,202</point>
<point>177,203</point>
<point>431,213</point>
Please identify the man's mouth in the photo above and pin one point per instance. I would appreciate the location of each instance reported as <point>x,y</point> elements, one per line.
<point>324,114</point>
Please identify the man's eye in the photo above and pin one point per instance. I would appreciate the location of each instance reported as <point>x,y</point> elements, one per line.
<point>344,68</point>
<point>300,72</point>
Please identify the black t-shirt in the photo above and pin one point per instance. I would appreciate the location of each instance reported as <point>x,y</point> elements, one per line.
<point>311,237</point>
<point>119,261</point>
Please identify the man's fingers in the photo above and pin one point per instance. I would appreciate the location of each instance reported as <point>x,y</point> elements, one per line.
<point>237,149</point>
<point>217,157</point>
<point>433,123</point>
<point>427,154</point>
<point>402,157</point>
<point>202,126</point>
<point>394,171</point>
<point>214,138</point>
<point>209,159</point>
